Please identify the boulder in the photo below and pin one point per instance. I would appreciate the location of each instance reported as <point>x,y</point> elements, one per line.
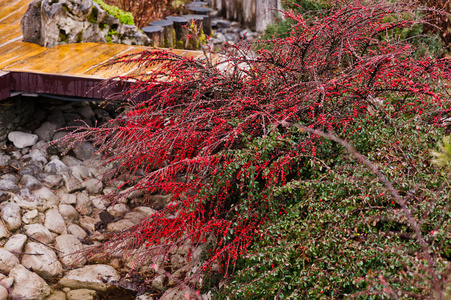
<point>28,285</point>
<point>93,186</point>
<point>7,261</point>
<point>68,212</point>
<point>16,243</point>
<point>39,232</point>
<point>84,205</point>
<point>45,264</point>
<point>67,245</point>
<point>94,277</point>
<point>11,215</point>
<point>54,221</point>
<point>50,23</point>
<point>22,139</point>
<point>47,129</point>
<point>30,182</point>
<point>82,294</point>
<point>76,231</point>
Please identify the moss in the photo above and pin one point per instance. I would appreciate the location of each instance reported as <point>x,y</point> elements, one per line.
<point>92,18</point>
<point>66,9</point>
<point>102,25</point>
<point>179,44</point>
<point>111,33</point>
<point>80,37</point>
<point>63,37</point>
<point>124,17</point>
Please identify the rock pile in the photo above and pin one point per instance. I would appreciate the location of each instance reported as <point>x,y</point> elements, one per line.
<point>52,205</point>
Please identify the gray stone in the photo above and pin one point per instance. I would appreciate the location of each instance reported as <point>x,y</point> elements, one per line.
<point>46,195</point>
<point>95,277</point>
<point>120,225</point>
<point>22,139</point>
<point>68,198</point>
<point>72,21</point>
<point>30,182</point>
<point>46,264</point>
<point>68,245</point>
<point>35,155</point>
<point>3,293</point>
<point>10,177</point>
<point>52,181</point>
<point>71,161</point>
<point>16,243</point>
<point>135,216</point>
<point>76,231</point>
<point>84,205</point>
<point>68,212</point>
<point>81,294</point>
<point>145,210</point>
<point>46,131</point>
<point>84,151</point>
<point>4,160</point>
<point>159,201</point>
<point>88,223</point>
<point>7,261</point>
<point>31,217</point>
<point>118,210</point>
<point>11,215</point>
<point>80,172</point>
<point>85,111</point>
<point>4,233</point>
<point>93,186</point>
<point>158,283</point>
<point>176,294</point>
<point>8,186</point>
<point>54,221</point>
<point>57,295</point>
<point>28,285</point>
<point>56,166</point>
<point>39,232</point>
<point>72,184</point>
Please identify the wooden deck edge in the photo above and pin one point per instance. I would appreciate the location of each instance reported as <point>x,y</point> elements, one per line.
<point>63,85</point>
<point>5,85</point>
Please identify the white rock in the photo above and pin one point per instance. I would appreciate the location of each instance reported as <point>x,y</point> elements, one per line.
<point>4,233</point>
<point>30,182</point>
<point>76,231</point>
<point>68,198</point>
<point>36,155</point>
<point>28,285</point>
<point>67,245</point>
<point>84,205</point>
<point>93,186</point>
<point>80,172</point>
<point>98,202</point>
<point>39,232</point>
<point>31,217</point>
<point>3,293</point>
<point>120,225</point>
<point>81,294</point>
<point>11,215</point>
<point>68,212</point>
<point>71,161</point>
<point>7,261</point>
<point>145,210</point>
<point>22,139</point>
<point>7,282</point>
<point>56,166</point>
<point>45,265</point>
<point>46,131</point>
<point>47,195</point>
<point>57,295</point>
<point>118,210</point>
<point>55,222</point>
<point>95,277</point>
<point>88,223</point>
<point>16,243</point>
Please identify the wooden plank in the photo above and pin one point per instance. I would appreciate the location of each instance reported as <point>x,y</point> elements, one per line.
<point>53,60</point>
<point>16,52</point>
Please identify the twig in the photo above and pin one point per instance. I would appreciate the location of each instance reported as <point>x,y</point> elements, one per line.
<point>38,241</point>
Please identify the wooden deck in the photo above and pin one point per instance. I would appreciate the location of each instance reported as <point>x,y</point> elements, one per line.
<point>67,70</point>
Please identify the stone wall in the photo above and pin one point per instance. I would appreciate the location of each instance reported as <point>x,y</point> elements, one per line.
<point>15,112</point>
<point>254,14</point>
